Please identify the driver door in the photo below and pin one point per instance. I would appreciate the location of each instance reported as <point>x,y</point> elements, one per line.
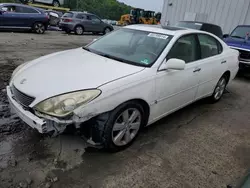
<point>177,88</point>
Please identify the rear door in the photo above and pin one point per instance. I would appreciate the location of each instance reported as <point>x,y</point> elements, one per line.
<point>212,64</point>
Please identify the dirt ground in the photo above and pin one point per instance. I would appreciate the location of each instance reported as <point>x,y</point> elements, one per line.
<point>203,145</point>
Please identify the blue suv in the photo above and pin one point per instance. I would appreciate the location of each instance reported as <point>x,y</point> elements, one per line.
<point>17,16</point>
<point>239,39</point>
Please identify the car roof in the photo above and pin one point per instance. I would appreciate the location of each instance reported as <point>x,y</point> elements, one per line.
<point>21,5</point>
<point>163,29</point>
<point>203,23</point>
<point>78,12</point>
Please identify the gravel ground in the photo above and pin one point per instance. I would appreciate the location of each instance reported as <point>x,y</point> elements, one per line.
<point>203,145</point>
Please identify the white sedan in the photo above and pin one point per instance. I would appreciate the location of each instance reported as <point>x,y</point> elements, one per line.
<point>121,82</point>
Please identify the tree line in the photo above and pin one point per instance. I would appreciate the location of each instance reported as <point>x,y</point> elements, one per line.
<point>108,9</point>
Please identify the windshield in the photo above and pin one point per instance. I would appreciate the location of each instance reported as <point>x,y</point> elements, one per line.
<point>240,32</point>
<point>135,47</point>
<point>190,25</point>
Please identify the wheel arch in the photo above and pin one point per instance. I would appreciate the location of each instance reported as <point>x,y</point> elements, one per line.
<point>227,74</point>
<point>144,105</point>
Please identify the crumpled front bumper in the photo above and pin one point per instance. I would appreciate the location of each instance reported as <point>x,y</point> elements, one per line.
<point>40,124</point>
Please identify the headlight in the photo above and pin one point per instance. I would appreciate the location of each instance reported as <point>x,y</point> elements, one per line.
<point>65,104</point>
<point>17,69</point>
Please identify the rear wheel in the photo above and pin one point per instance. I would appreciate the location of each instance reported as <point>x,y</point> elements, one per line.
<point>219,89</point>
<point>79,30</point>
<point>39,28</point>
<point>56,3</point>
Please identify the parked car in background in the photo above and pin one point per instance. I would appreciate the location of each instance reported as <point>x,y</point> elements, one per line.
<point>17,16</point>
<point>239,40</point>
<point>81,22</point>
<point>121,82</point>
<point>211,28</point>
<point>55,3</point>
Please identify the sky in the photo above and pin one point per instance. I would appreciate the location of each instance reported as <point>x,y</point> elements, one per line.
<point>155,5</point>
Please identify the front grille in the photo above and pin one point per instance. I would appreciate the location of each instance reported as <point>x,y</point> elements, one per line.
<point>244,54</point>
<point>22,98</point>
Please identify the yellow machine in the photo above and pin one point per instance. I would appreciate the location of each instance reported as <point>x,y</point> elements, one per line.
<point>135,17</point>
<point>139,16</point>
<point>149,17</point>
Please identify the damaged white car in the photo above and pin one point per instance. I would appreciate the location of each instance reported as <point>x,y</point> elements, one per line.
<point>121,82</point>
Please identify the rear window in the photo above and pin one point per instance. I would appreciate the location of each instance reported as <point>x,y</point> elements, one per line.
<point>68,15</point>
<point>190,25</point>
<point>216,30</point>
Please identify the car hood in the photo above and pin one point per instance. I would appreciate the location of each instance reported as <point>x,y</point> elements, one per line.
<point>69,71</point>
<point>238,43</point>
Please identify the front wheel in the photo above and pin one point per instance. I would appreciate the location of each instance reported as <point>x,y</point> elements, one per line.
<point>106,31</point>
<point>39,28</point>
<point>122,126</point>
<point>219,89</point>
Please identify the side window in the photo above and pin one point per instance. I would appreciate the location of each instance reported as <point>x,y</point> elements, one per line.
<point>95,19</point>
<point>25,10</point>
<point>80,16</point>
<point>209,46</point>
<point>185,49</point>
<point>9,8</point>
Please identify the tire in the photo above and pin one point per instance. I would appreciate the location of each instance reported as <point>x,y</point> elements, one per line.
<point>56,3</point>
<point>106,30</point>
<point>79,30</point>
<point>117,133</point>
<point>219,89</point>
<point>39,28</point>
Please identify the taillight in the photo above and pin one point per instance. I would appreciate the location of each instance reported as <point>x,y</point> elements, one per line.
<point>67,20</point>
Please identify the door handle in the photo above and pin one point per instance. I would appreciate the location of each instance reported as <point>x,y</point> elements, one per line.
<point>223,62</point>
<point>197,70</point>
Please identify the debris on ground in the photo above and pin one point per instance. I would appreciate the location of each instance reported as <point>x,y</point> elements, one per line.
<point>48,185</point>
<point>12,162</point>
<point>29,181</point>
<point>23,184</point>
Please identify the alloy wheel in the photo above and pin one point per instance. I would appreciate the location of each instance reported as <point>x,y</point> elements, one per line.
<point>39,28</point>
<point>220,88</point>
<point>126,127</point>
<point>79,30</point>
<point>56,4</point>
<point>107,30</point>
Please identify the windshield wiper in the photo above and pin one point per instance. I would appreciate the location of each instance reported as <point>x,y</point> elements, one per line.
<point>239,37</point>
<point>86,48</point>
<point>112,57</point>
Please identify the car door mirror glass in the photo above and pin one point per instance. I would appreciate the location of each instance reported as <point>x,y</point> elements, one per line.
<point>175,64</point>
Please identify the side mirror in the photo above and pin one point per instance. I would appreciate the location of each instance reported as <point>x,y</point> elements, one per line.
<point>225,36</point>
<point>2,11</point>
<point>175,64</point>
